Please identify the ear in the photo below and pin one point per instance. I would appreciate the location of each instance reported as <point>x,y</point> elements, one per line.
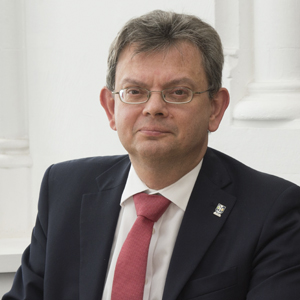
<point>108,103</point>
<point>219,103</point>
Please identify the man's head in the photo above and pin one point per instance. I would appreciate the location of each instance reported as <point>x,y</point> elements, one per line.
<point>160,30</point>
<point>175,60</point>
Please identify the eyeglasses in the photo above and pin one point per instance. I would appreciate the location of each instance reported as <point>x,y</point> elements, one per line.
<point>174,95</point>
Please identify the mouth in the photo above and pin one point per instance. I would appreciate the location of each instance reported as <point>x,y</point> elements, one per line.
<point>154,131</point>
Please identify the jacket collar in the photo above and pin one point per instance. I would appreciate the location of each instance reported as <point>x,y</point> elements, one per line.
<point>98,219</point>
<point>199,225</point>
<point>100,212</point>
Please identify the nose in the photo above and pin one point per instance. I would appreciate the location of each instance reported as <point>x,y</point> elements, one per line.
<point>156,106</point>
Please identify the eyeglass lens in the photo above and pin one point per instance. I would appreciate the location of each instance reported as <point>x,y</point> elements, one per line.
<point>175,94</point>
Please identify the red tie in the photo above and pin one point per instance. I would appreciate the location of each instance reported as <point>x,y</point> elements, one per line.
<point>130,271</point>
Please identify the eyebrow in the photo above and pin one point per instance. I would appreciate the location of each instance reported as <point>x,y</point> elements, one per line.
<point>132,81</point>
<point>183,80</point>
<point>174,82</point>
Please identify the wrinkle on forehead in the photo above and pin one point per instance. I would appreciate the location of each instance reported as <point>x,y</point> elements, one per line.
<point>183,60</point>
<point>179,46</point>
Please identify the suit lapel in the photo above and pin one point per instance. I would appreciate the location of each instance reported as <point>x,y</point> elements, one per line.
<point>98,220</point>
<point>199,225</point>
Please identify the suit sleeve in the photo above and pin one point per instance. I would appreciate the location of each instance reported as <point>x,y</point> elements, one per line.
<point>276,264</point>
<point>29,279</point>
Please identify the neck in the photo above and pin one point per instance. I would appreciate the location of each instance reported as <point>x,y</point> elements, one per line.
<point>159,174</point>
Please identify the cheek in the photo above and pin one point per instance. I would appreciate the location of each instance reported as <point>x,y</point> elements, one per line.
<point>197,121</point>
<point>120,113</point>
<point>125,117</point>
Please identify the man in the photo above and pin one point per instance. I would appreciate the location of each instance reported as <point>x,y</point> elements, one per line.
<point>227,232</point>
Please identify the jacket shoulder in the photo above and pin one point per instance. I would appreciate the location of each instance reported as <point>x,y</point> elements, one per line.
<point>81,173</point>
<point>98,163</point>
<point>243,175</point>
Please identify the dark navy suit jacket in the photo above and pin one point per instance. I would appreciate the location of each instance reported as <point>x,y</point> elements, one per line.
<point>251,252</point>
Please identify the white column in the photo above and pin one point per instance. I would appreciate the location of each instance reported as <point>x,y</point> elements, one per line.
<point>15,161</point>
<point>274,93</point>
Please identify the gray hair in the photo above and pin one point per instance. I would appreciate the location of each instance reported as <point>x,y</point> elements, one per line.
<point>159,30</point>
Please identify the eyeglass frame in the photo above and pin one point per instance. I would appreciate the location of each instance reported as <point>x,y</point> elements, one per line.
<point>162,95</point>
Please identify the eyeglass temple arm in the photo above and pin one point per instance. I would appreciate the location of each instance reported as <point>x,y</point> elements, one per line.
<point>208,90</point>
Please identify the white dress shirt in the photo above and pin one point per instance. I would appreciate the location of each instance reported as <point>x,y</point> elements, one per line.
<point>165,230</point>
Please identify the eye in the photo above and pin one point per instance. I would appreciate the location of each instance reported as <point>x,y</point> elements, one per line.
<point>179,91</point>
<point>177,94</point>
<point>134,95</point>
<point>133,91</point>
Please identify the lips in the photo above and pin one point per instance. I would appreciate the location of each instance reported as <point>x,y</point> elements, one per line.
<point>153,131</point>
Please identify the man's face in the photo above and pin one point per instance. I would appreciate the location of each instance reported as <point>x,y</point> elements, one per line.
<point>157,130</point>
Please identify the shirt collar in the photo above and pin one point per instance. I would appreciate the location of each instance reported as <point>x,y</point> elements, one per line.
<point>179,192</point>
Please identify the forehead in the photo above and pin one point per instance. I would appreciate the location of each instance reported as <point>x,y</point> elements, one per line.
<point>182,60</point>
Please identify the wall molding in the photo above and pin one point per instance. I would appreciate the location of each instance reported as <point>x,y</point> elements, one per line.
<point>11,252</point>
<point>13,144</point>
<point>14,153</point>
<point>270,101</point>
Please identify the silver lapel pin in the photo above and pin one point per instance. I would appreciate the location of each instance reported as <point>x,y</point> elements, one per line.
<point>219,210</point>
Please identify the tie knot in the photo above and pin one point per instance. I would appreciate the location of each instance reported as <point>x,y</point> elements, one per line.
<point>150,206</point>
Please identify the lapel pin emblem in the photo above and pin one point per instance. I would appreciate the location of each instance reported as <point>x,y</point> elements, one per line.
<point>219,210</point>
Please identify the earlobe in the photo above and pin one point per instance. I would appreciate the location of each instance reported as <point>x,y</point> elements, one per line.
<point>108,103</point>
<point>219,104</point>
